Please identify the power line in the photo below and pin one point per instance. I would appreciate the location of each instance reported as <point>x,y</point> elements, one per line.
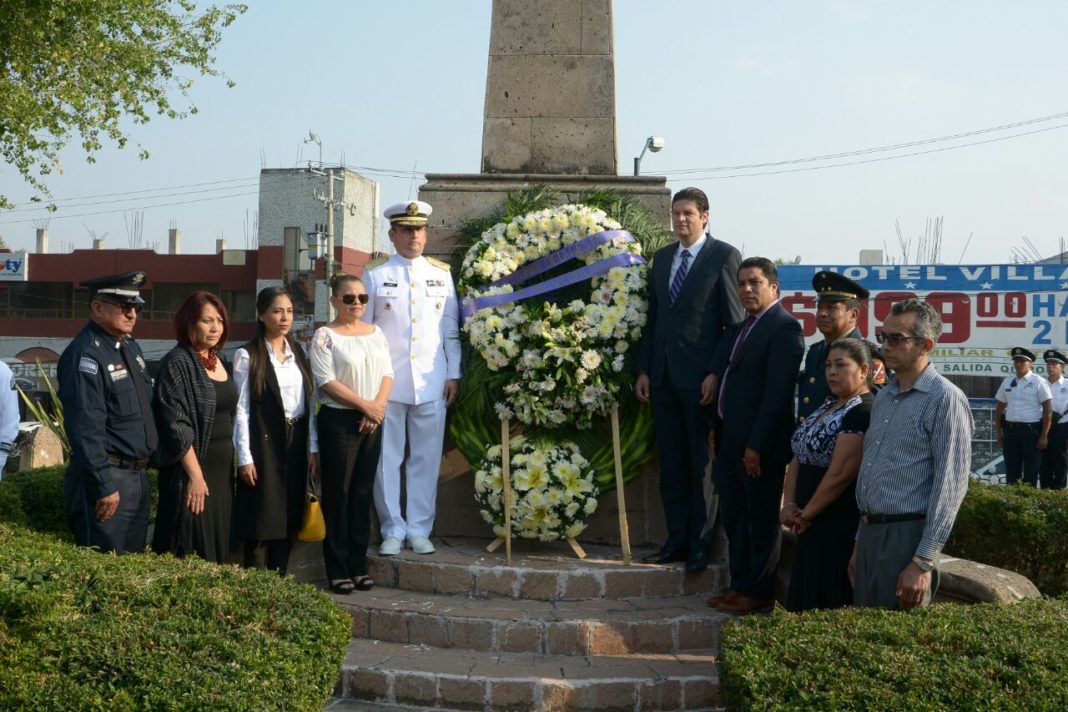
<point>882,158</point>
<point>142,207</point>
<point>877,149</point>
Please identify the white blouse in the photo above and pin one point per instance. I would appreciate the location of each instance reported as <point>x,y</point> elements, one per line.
<point>291,386</point>
<point>357,362</point>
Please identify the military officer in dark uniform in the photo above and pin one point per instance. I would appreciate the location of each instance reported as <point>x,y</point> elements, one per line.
<point>1053,469</point>
<point>837,307</point>
<point>104,387</point>
<point>1022,418</point>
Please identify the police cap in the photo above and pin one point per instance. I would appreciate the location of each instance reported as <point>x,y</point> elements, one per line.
<point>119,288</point>
<point>414,212</point>
<point>1054,355</point>
<point>1021,353</point>
<point>834,287</point>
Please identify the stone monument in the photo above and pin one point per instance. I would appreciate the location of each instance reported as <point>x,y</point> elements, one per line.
<point>550,116</point>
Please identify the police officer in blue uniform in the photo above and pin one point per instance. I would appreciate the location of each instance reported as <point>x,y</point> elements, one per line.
<point>837,308</point>
<point>1053,469</point>
<point>104,387</point>
<point>1022,418</point>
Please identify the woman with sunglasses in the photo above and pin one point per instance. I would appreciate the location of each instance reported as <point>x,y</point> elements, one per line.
<point>274,434</point>
<point>194,407</point>
<point>353,371</point>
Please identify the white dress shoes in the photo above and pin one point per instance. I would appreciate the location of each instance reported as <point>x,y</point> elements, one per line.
<point>391,546</point>
<point>421,545</point>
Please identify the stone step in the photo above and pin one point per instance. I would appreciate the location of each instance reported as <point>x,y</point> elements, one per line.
<point>592,627</point>
<point>539,572</point>
<point>394,673</point>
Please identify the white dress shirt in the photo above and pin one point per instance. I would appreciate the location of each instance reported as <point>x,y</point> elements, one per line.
<point>1059,390</point>
<point>291,387</point>
<point>692,249</point>
<point>1023,397</point>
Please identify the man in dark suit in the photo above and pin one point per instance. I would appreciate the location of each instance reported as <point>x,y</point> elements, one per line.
<point>692,301</point>
<point>753,374</point>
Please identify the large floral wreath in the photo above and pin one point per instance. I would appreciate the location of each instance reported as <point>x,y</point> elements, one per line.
<point>553,490</point>
<point>564,360</point>
<point>553,299</point>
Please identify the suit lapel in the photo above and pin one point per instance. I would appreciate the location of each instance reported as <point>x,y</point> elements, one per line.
<point>662,273</point>
<point>758,329</point>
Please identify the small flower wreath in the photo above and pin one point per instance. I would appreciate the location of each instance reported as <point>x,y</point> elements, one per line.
<point>553,490</point>
<point>565,362</point>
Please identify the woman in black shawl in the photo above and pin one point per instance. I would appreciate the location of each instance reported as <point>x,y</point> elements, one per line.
<point>194,405</point>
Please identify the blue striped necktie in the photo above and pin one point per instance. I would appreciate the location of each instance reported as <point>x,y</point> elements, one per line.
<point>680,276</point>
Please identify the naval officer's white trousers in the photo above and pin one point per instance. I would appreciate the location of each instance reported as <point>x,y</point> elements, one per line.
<point>423,428</point>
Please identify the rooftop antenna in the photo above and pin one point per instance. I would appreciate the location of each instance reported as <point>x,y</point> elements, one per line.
<point>314,138</point>
<point>411,181</point>
<point>966,243</point>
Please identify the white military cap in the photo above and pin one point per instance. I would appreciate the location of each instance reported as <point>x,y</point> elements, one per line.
<point>414,212</point>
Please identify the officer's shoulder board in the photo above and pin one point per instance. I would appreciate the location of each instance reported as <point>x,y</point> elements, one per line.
<point>440,264</point>
<point>376,262</point>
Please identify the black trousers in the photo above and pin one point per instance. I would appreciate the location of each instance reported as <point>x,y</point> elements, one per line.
<point>1053,469</point>
<point>127,530</point>
<point>348,462</point>
<point>750,510</point>
<point>682,443</point>
<point>1019,444</point>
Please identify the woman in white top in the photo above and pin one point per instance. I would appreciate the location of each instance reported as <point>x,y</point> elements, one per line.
<point>354,373</point>
<point>274,434</point>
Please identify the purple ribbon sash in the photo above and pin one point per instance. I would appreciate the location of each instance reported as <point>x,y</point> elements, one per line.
<point>553,259</point>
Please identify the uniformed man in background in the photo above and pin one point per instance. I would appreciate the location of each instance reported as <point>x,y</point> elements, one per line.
<point>838,301</point>
<point>104,387</point>
<point>9,414</point>
<point>413,301</point>
<point>1022,419</point>
<point>1053,469</point>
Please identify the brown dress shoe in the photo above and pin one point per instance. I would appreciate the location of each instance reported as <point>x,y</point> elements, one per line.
<point>728,595</point>
<point>744,605</point>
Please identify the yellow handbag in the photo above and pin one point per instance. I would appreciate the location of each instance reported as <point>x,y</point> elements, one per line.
<point>314,527</point>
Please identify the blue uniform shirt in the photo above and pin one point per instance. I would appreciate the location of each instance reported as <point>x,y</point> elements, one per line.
<point>101,411</point>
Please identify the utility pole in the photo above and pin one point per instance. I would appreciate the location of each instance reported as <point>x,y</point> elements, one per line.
<point>330,203</point>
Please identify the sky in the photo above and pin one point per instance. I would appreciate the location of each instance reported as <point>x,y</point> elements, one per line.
<point>398,87</point>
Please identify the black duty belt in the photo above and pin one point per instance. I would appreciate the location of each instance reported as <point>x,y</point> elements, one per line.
<point>871,518</point>
<point>127,463</point>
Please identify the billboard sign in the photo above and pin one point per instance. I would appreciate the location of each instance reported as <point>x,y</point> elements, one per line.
<point>13,266</point>
<point>985,309</point>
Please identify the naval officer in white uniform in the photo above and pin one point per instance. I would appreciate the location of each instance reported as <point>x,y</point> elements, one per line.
<point>413,302</point>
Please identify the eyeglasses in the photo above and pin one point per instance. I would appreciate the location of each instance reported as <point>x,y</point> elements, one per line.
<point>350,299</point>
<point>124,307</point>
<point>896,339</point>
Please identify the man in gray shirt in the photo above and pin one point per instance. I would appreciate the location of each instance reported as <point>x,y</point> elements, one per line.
<point>914,475</point>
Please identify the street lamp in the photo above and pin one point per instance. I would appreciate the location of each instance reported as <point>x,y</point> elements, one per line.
<point>654,144</point>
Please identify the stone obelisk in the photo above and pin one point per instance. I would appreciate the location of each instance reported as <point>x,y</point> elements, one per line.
<point>550,118</point>
<point>550,115</point>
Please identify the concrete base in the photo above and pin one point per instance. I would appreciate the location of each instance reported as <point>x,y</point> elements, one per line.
<point>459,197</point>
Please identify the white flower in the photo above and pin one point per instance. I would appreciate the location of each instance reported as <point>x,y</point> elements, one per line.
<point>591,360</point>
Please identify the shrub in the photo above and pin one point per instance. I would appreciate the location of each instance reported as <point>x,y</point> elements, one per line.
<point>81,630</point>
<point>1018,528</point>
<point>981,657</point>
<point>34,498</point>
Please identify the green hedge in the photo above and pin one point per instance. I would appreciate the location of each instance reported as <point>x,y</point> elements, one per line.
<point>1018,528</point>
<point>949,657</point>
<point>82,630</point>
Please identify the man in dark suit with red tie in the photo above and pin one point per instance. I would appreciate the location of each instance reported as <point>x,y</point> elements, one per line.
<point>753,374</point>
<point>692,301</point>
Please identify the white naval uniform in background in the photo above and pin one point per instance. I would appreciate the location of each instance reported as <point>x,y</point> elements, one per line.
<point>9,414</point>
<point>414,303</point>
